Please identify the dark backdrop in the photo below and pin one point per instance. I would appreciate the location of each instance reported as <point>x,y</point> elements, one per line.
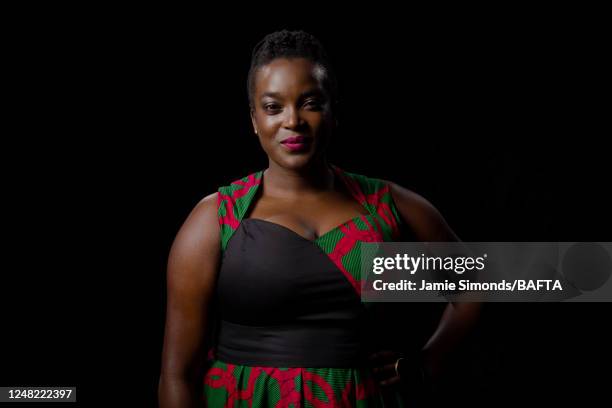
<point>122,122</point>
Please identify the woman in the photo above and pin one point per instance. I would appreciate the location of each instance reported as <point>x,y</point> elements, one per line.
<point>275,256</point>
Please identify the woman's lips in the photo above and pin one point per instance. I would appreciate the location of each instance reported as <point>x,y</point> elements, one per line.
<point>296,143</point>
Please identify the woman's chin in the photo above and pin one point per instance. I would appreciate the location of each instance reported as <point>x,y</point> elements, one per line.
<point>297,162</point>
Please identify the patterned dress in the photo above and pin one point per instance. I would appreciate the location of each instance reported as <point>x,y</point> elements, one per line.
<point>292,330</point>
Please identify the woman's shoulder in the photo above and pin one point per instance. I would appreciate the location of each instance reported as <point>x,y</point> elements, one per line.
<point>402,197</point>
<point>203,213</point>
<point>418,212</point>
<point>199,234</point>
<point>367,184</point>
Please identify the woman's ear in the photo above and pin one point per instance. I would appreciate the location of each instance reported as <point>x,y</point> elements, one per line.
<point>253,122</point>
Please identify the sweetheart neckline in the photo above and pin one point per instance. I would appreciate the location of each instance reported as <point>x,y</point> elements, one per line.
<point>337,172</point>
<point>316,240</point>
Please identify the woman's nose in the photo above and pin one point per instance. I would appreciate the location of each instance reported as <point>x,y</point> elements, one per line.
<point>292,118</point>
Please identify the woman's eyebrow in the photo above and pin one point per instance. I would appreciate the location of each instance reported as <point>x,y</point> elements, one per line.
<point>312,92</point>
<point>271,95</point>
<point>305,94</point>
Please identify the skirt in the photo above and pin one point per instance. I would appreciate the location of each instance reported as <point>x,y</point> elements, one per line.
<point>232,386</point>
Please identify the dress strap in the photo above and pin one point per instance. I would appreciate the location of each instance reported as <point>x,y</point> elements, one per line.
<point>233,201</point>
<point>375,195</point>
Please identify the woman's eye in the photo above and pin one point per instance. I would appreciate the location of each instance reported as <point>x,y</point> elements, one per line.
<point>271,107</point>
<point>314,105</point>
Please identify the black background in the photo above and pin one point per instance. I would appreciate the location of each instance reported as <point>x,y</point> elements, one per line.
<point>119,121</point>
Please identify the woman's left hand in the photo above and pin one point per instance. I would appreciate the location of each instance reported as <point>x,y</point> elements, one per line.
<point>383,363</point>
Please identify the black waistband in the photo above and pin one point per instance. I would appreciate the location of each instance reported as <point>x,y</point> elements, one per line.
<point>305,345</point>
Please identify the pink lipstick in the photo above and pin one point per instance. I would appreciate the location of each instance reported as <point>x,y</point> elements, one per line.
<point>296,143</point>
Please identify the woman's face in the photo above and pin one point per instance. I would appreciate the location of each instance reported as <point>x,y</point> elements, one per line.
<point>291,111</point>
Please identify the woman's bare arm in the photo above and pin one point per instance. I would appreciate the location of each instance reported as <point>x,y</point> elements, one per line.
<point>192,268</point>
<point>458,318</point>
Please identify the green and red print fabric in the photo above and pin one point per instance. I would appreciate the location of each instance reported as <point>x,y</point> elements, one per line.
<point>236,386</point>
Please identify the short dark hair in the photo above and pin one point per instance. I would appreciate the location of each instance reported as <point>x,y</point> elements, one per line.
<point>291,44</point>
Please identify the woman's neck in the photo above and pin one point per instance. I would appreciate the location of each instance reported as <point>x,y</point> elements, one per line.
<point>288,183</point>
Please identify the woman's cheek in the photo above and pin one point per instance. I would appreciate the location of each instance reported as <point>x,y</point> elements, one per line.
<point>269,146</point>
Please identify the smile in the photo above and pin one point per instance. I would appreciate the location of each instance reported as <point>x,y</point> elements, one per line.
<point>296,143</point>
